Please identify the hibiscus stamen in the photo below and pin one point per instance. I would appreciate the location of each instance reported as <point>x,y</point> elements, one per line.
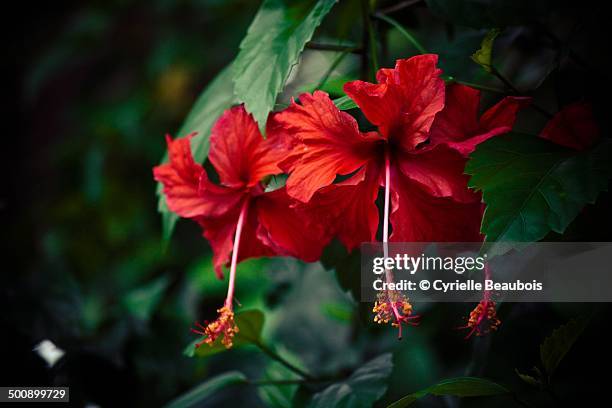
<point>483,318</point>
<point>391,305</point>
<point>225,324</point>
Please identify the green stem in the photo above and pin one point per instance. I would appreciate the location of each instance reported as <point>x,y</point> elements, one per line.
<point>415,43</point>
<point>481,87</point>
<point>504,80</point>
<point>399,6</point>
<point>264,383</point>
<point>511,86</point>
<point>272,354</point>
<point>331,69</point>
<point>369,41</point>
<point>520,401</point>
<point>333,47</point>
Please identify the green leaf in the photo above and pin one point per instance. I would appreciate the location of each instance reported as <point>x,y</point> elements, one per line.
<point>197,395</point>
<point>141,302</point>
<point>279,396</point>
<point>249,322</point>
<point>345,103</point>
<point>216,97</point>
<point>484,55</point>
<point>458,387</point>
<point>556,346</point>
<point>365,386</point>
<point>336,257</point>
<point>271,48</point>
<point>341,312</point>
<point>532,186</point>
<point>531,380</point>
<point>332,86</point>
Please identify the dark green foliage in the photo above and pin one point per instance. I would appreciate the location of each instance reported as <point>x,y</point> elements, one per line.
<point>99,84</point>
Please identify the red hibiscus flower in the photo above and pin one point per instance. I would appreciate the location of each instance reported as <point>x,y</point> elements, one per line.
<point>238,216</point>
<point>458,125</point>
<point>418,155</point>
<point>421,144</point>
<point>573,126</point>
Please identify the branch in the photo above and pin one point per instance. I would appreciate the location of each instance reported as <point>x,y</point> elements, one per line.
<point>369,66</point>
<point>399,6</point>
<point>510,85</point>
<point>415,43</point>
<point>284,362</point>
<point>333,47</point>
<point>331,69</point>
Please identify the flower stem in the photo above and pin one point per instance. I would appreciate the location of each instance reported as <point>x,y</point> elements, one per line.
<point>480,86</point>
<point>415,43</point>
<point>369,57</point>
<point>232,278</point>
<point>399,6</point>
<point>497,74</point>
<point>334,47</point>
<point>265,383</point>
<point>331,69</point>
<point>272,354</point>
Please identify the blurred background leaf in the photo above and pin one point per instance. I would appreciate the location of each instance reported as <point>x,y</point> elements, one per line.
<point>366,385</point>
<point>556,346</point>
<point>94,88</point>
<point>458,387</point>
<point>216,97</point>
<point>199,394</point>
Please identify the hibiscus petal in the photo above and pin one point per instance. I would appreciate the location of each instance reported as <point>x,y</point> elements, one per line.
<point>287,230</point>
<point>251,246</point>
<point>459,118</point>
<point>238,151</point>
<point>404,104</point>
<point>348,209</point>
<point>321,141</point>
<point>574,127</point>
<point>220,199</point>
<point>385,75</point>
<point>439,171</point>
<point>219,232</point>
<point>181,177</point>
<point>420,217</point>
<point>458,126</point>
<point>382,103</point>
<point>502,115</point>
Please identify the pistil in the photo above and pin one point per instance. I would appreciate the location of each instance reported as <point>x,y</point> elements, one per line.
<point>391,304</point>
<point>225,324</point>
<point>483,319</point>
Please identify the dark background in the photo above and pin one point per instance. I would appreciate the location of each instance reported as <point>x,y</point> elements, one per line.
<point>93,87</point>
